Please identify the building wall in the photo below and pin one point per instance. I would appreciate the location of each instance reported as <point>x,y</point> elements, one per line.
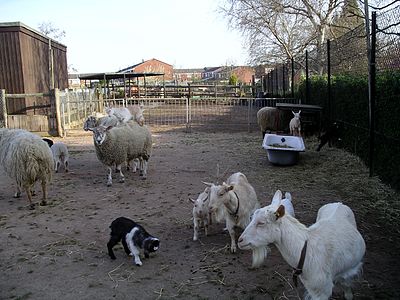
<point>155,66</point>
<point>24,65</point>
<point>244,74</point>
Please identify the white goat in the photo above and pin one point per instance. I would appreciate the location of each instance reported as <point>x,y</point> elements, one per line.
<point>201,213</point>
<point>137,113</point>
<point>330,251</point>
<point>260,253</point>
<point>122,113</point>
<point>295,124</point>
<point>234,202</point>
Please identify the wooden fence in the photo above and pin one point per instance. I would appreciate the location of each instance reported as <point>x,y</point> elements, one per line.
<point>43,118</point>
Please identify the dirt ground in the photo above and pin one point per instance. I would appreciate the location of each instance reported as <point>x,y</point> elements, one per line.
<point>59,251</point>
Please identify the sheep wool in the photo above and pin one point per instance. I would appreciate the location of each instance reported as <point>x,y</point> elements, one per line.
<point>26,158</point>
<point>122,144</point>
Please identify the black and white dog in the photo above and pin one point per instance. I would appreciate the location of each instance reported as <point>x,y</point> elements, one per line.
<point>133,236</point>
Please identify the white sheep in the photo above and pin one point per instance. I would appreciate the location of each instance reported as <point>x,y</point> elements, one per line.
<point>26,158</point>
<point>234,202</point>
<point>272,119</point>
<point>105,121</point>
<point>295,124</point>
<point>116,145</point>
<point>201,213</point>
<point>328,252</point>
<point>60,155</point>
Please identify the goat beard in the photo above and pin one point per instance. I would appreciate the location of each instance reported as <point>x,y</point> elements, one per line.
<point>259,255</point>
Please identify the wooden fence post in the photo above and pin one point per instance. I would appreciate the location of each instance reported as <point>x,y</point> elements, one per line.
<point>58,112</point>
<point>3,106</point>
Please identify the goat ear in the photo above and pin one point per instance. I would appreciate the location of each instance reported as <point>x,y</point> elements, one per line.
<point>288,196</point>
<point>280,212</point>
<point>277,196</point>
<point>192,200</point>
<point>207,183</point>
<point>229,188</point>
<point>299,111</point>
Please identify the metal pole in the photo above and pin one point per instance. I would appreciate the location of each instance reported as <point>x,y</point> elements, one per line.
<point>283,80</point>
<point>372,94</point>
<point>292,77</point>
<point>328,53</point>
<point>307,80</point>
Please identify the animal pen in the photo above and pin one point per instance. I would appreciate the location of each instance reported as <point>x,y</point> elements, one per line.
<point>68,110</point>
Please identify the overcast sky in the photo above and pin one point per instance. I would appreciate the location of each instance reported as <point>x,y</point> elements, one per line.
<point>105,36</point>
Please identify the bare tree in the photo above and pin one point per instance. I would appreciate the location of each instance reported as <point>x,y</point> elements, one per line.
<point>277,30</point>
<point>48,29</point>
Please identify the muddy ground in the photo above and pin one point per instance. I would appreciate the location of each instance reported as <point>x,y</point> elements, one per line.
<point>59,251</point>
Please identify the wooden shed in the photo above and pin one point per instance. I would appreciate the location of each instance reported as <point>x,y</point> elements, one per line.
<point>30,62</point>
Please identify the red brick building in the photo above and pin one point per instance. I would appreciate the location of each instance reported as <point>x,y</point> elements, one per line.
<point>152,66</point>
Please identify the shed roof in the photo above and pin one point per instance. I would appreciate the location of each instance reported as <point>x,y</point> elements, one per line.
<point>101,76</point>
<point>6,26</point>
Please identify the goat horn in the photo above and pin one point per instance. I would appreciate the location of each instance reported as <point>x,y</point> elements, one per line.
<point>207,183</point>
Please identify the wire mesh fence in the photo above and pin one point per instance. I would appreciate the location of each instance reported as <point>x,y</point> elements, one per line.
<point>340,78</point>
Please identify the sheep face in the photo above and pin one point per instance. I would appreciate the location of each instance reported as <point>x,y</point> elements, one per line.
<point>100,133</point>
<point>89,123</point>
<point>263,228</point>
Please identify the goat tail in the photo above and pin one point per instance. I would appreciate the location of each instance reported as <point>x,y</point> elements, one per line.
<point>259,254</point>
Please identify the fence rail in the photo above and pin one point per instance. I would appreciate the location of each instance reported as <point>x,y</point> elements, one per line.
<point>67,110</point>
<point>219,113</point>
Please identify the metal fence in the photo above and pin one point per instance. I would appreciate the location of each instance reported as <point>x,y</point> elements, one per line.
<point>239,114</point>
<point>357,86</point>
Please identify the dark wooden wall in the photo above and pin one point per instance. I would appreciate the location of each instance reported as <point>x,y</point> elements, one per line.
<point>24,67</point>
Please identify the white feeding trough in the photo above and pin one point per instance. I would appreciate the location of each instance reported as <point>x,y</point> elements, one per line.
<point>283,150</point>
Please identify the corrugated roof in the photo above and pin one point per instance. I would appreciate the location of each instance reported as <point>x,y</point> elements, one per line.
<point>101,76</point>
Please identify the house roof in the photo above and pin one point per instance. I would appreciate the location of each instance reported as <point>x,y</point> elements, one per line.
<point>188,70</point>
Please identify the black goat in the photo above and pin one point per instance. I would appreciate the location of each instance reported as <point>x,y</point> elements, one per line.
<point>333,133</point>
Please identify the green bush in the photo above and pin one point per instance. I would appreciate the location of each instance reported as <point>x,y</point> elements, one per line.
<point>350,105</point>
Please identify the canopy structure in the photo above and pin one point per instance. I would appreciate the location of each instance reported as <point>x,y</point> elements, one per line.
<point>119,80</point>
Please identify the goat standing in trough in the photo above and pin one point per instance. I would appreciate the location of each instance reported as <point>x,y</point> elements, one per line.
<point>234,202</point>
<point>295,124</point>
<point>330,251</point>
